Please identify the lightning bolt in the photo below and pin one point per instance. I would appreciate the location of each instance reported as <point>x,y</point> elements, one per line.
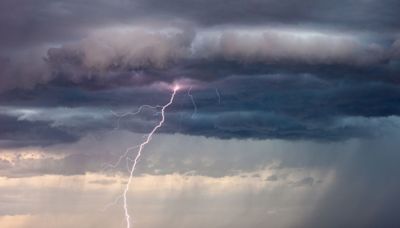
<point>139,153</point>
<point>139,110</point>
<point>129,149</point>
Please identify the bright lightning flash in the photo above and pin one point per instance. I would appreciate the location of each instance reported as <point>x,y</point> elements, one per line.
<point>141,146</point>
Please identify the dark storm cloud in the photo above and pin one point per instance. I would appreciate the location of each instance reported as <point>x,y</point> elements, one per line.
<point>44,21</point>
<point>20,133</point>
<point>141,56</point>
<point>77,41</point>
<point>268,106</point>
<point>352,14</point>
<point>277,72</point>
<point>25,23</point>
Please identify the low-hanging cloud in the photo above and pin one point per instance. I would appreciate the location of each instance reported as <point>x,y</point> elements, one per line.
<point>123,49</point>
<point>306,47</point>
<point>144,55</point>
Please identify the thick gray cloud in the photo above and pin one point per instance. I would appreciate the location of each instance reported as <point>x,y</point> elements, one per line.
<point>144,55</point>
<point>88,40</point>
<point>19,133</point>
<point>45,21</point>
<point>267,106</point>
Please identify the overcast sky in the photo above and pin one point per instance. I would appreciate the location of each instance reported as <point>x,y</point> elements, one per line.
<point>288,113</point>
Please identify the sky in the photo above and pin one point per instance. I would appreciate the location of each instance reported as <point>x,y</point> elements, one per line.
<point>287,116</point>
